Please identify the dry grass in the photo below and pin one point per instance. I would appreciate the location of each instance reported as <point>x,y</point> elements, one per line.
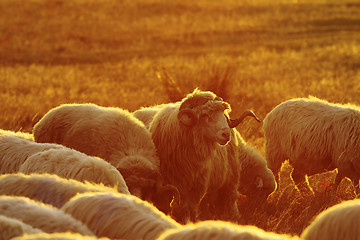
<point>254,54</point>
<point>290,209</point>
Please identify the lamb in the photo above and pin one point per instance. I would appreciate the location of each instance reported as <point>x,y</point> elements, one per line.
<point>46,188</point>
<point>57,236</point>
<point>71,164</point>
<point>315,136</point>
<point>41,216</point>
<point>14,150</point>
<point>338,222</point>
<point>221,230</point>
<point>12,227</point>
<point>119,216</point>
<point>191,138</point>
<point>115,135</point>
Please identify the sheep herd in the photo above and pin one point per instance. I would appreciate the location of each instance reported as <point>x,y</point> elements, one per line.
<point>171,171</point>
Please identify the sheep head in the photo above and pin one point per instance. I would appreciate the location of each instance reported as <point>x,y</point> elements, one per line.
<point>205,109</point>
<point>256,179</point>
<point>212,113</point>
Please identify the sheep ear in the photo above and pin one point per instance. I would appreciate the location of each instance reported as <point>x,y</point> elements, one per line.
<point>187,117</point>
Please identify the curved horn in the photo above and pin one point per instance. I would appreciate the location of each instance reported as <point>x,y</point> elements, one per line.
<point>233,123</point>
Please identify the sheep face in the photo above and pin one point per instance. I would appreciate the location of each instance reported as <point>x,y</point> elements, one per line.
<point>216,128</point>
<point>256,179</point>
<point>209,114</point>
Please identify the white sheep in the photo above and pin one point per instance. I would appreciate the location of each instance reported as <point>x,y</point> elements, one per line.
<point>71,164</point>
<point>118,216</point>
<point>46,188</point>
<point>12,227</point>
<point>315,136</point>
<point>15,149</point>
<point>57,236</point>
<point>191,138</point>
<point>113,134</point>
<point>44,217</point>
<point>219,230</point>
<point>338,222</point>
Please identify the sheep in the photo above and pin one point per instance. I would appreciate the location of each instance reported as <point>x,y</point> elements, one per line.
<point>14,150</point>
<point>44,217</point>
<point>12,227</point>
<point>57,236</point>
<point>114,135</point>
<point>256,178</point>
<point>71,164</point>
<point>315,136</point>
<point>146,114</point>
<point>118,216</point>
<point>191,138</point>
<point>221,230</point>
<point>338,222</point>
<point>46,188</point>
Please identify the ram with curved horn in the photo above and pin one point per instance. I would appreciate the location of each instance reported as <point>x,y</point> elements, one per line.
<point>198,153</point>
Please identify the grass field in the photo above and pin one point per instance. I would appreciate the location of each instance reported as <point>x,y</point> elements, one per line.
<point>255,54</point>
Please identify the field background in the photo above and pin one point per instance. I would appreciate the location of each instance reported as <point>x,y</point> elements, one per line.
<point>123,53</point>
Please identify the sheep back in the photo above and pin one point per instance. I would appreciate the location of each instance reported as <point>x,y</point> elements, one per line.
<point>12,227</point>
<point>221,230</point>
<point>57,236</point>
<point>118,216</point>
<point>39,215</point>
<point>47,188</point>
<point>340,221</point>
<point>109,133</point>
<point>15,150</point>
<point>71,164</point>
